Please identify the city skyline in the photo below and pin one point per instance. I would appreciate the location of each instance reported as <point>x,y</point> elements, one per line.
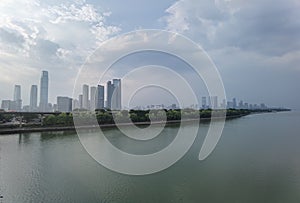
<point>262,65</point>
<point>93,97</point>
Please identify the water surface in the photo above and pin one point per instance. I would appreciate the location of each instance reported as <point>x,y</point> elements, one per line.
<point>256,160</point>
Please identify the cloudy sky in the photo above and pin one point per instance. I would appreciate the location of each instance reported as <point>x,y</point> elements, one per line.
<point>254,44</point>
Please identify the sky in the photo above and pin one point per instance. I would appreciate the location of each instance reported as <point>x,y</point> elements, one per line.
<point>254,44</point>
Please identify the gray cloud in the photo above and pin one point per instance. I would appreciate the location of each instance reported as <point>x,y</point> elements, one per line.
<point>268,27</point>
<point>11,37</point>
<point>255,44</point>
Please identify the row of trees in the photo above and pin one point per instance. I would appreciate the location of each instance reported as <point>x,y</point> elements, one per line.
<point>124,116</point>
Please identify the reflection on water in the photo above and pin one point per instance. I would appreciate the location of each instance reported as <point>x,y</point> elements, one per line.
<point>256,160</point>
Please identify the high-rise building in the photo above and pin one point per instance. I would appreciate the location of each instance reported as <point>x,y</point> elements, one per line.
<point>109,91</point>
<point>241,105</point>
<point>80,101</point>
<point>75,104</point>
<point>85,99</point>
<point>17,92</point>
<point>100,97</point>
<point>229,105</point>
<point>44,92</point>
<point>204,105</point>
<point>64,104</point>
<point>93,98</point>
<point>116,101</point>
<point>214,102</point>
<point>223,105</point>
<point>234,104</point>
<point>33,98</point>
<point>17,98</point>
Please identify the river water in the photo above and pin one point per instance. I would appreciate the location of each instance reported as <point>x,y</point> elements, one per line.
<point>256,160</point>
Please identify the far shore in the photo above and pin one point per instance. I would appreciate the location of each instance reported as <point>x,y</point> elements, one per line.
<point>72,128</point>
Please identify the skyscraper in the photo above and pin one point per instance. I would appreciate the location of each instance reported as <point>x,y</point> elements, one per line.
<point>17,98</point>
<point>33,98</point>
<point>234,105</point>
<point>204,105</point>
<point>109,91</point>
<point>100,97</point>
<point>214,102</point>
<point>93,98</point>
<point>80,101</point>
<point>116,101</point>
<point>85,99</point>
<point>44,91</point>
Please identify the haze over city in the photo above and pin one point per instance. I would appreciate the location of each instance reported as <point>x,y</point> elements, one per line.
<point>254,44</point>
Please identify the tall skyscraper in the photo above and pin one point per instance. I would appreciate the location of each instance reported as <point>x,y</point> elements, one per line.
<point>44,91</point>
<point>33,98</point>
<point>17,98</point>
<point>85,99</point>
<point>93,98</point>
<point>116,101</point>
<point>109,91</point>
<point>100,97</point>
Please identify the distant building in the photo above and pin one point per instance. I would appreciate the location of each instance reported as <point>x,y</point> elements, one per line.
<point>85,99</point>
<point>109,91</point>
<point>33,98</point>
<point>80,101</point>
<point>26,108</point>
<point>49,107</point>
<point>17,98</point>
<point>44,85</point>
<point>241,105</point>
<point>54,107</point>
<point>263,106</point>
<point>64,104</point>
<point>7,105</point>
<point>229,105</point>
<point>100,97</point>
<point>116,101</point>
<point>75,104</point>
<point>93,98</point>
<point>223,105</point>
<point>234,105</point>
<point>214,102</point>
<point>204,104</point>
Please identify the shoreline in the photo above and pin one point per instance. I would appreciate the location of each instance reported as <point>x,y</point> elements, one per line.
<point>8,131</point>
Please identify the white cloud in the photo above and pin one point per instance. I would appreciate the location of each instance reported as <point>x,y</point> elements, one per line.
<point>177,19</point>
<point>37,35</point>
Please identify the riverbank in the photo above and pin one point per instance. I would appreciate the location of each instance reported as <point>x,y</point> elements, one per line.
<point>72,128</point>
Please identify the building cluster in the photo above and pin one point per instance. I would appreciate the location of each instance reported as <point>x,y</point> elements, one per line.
<point>213,103</point>
<point>208,102</point>
<point>16,103</point>
<point>94,97</point>
<point>91,98</point>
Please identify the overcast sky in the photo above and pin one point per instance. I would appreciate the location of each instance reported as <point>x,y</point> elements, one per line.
<point>254,43</point>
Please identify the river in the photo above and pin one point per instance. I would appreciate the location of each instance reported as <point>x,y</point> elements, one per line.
<point>256,160</point>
